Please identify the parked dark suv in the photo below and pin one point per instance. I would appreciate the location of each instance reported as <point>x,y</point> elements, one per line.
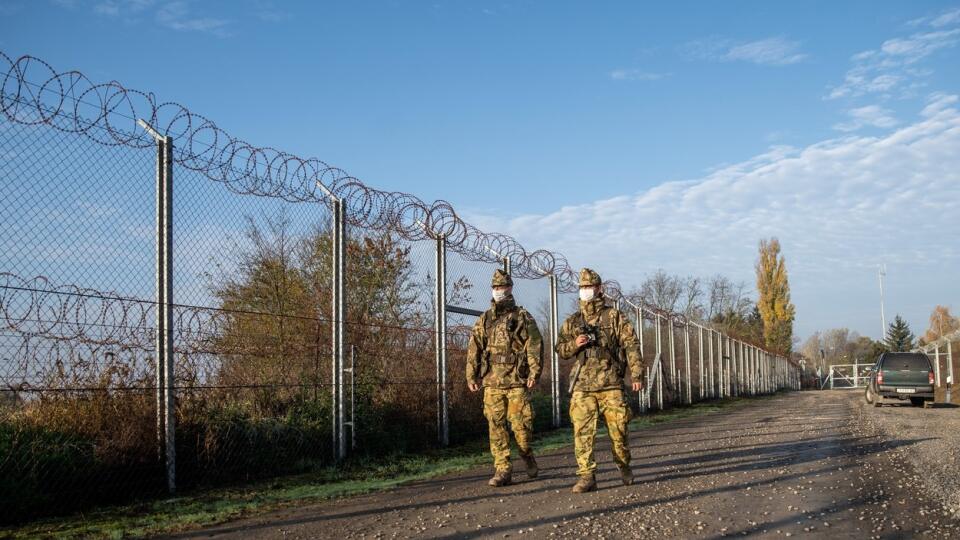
<point>902,376</point>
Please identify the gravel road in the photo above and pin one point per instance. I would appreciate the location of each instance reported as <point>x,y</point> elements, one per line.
<point>937,457</point>
<point>811,464</point>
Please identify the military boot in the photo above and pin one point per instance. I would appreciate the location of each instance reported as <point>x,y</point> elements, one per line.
<point>532,469</point>
<point>587,482</point>
<point>500,478</point>
<point>626,475</point>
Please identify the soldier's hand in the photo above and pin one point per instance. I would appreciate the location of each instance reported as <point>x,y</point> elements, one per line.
<point>531,382</point>
<point>473,386</point>
<point>637,386</point>
<point>582,340</point>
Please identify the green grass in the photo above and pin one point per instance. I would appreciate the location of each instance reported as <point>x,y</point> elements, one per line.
<point>352,478</point>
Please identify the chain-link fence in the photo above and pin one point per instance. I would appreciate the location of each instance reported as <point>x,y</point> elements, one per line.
<point>179,308</point>
<point>944,355</point>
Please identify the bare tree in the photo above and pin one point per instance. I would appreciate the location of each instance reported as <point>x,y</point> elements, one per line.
<point>661,290</point>
<point>692,292</point>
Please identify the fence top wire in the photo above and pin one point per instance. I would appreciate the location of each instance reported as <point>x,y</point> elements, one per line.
<point>32,92</point>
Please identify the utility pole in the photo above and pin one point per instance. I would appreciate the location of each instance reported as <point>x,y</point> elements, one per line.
<point>883,318</point>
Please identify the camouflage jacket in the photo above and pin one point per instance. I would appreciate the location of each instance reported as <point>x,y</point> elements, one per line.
<point>505,348</point>
<point>604,363</point>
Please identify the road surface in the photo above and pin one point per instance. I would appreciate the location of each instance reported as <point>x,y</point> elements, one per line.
<point>795,465</point>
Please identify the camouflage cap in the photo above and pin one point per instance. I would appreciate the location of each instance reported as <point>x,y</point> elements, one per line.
<point>501,279</point>
<point>589,278</point>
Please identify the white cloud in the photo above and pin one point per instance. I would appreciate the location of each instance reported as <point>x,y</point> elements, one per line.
<point>839,207</point>
<point>775,51</point>
<point>891,69</point>
<point>772,51</point>
<point>177,16</point>
<point>919,46</point>
<point>266,11</point>
<point>869,116</point>
<point>947,18</point>
<point>636,75</point>
<point>114,8</point>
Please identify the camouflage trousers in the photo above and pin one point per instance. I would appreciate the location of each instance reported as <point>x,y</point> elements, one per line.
<point>585,409</point>
<point>499,406</point>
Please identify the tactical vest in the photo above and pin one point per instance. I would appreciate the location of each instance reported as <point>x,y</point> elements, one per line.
<point>501,333</point>
<point>608,349</point>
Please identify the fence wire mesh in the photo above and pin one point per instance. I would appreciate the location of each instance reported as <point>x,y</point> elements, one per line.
<point>254,343</point>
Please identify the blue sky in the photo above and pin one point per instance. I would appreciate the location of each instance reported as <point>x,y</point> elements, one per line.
<point>597,130</point>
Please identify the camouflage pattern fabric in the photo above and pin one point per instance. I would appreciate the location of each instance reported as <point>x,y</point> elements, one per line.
<point>501,279</point>
<point>589,278</point>
<point>585,409</point>
<point>600,362</point>
<point>505,348</point>
<point>499,406</point>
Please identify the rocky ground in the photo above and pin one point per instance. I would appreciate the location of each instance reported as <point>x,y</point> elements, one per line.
<point>811,464</point>
<point>936,458</point>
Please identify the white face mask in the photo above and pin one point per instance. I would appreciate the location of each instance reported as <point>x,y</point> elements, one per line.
<point>500,294</point>
<point>587,294</point>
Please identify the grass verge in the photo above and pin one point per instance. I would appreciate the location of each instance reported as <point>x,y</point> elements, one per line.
<point>352,478</point>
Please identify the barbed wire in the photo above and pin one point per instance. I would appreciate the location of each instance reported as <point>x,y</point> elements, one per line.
<point>33,92</point>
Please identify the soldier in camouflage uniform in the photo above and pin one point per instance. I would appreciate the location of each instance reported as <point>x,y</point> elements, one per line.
<point>602,341</point>
<point>504,355</point>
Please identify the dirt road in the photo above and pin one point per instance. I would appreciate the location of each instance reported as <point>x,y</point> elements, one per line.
<point>796,465</point>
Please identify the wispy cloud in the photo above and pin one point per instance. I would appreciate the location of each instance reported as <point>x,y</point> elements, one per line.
<point>269,12</point>
<point>774,51</point>
<point>945,18</point>
<point>114,8</point>
<point>636,75</point>
<point>839,207</point>
<point>177,16</point>
<point>893,69</point>
<point>869,116</point>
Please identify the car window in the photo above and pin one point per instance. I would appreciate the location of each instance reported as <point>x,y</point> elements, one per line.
<point>907,361</point>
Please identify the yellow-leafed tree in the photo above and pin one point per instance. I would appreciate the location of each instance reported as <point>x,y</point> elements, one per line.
<point>942,323</point>
<point>776,311</point>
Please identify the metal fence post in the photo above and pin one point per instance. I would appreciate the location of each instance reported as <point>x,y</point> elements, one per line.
<point>719,359</point>
<point>710,389</point>
<point>165,192</point>
<point>936,363</point>
<point>353,398</point>
<point>673,365</point>
<point>728,368</point>
<point>686,361</point>
<point>643,395</point>
<point>338,307</point>
<point>166,396</point>
<point>700,354</point>
<point>735,361</point>
<point>658,343</point>
<point>950,381</point>
<point>554,357</point>
<point>440,341</point>
<point>744,390</point>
